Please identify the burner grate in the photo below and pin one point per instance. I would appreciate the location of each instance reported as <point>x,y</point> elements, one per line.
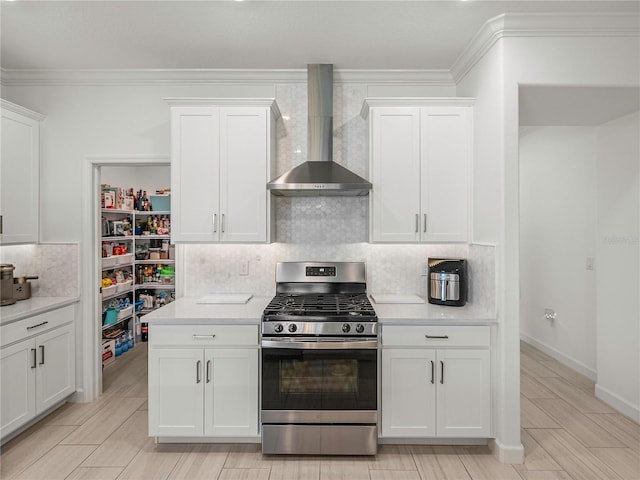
<point>320,305</point>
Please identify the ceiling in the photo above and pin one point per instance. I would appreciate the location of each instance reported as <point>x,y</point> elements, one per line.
<point>254,34</point>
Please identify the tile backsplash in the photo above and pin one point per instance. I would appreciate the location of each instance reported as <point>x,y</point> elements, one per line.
<point>55,265</point>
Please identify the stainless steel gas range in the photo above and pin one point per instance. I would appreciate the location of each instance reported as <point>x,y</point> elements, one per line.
<point>319,362</point>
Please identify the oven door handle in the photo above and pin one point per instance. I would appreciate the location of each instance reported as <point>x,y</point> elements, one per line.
<point>312,344</point>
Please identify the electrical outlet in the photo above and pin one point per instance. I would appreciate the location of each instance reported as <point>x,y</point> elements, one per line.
<point>244,268</point>
<point>550,314</point>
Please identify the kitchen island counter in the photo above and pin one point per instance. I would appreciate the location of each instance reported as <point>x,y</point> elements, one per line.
<point>429,314</point>
<point>33,306</point>
<point>188,310</point>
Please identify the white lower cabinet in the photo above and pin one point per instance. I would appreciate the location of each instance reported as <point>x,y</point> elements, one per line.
<point>436,382</point>
<point>38,372</point>
<point>207,385</point>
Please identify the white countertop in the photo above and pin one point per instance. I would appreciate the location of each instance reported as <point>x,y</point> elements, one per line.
<point>187,310</point>
<point>33,306</point>
<point>427,313</point>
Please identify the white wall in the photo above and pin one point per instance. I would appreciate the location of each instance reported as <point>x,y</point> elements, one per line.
<point>557,234</point>
<point>146,178</point>
<point>618,262</point>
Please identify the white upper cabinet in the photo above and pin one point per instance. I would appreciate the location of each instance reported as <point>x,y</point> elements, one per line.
<point>221,161</point>
<point>420,162</point>
<point>19,172</point>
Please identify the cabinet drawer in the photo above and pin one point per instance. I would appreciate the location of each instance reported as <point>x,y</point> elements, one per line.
<point>37,324</point>
<point>203,335</point>
<point>435,336</point>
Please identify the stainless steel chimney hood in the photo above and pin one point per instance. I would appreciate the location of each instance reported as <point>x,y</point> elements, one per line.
<point>319,176</point>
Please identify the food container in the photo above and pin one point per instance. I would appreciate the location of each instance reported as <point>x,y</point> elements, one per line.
<point>125,312</point>
<point>124,259</point>
<point>108,291</point>
<point>123,286</point>
<point>160,203</point>
<point>110,316</point>
<point>108,352</point>
<point>109,261</point>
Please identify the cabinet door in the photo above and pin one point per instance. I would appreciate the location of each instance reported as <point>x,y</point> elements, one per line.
<point>176,392</point>
<point>445,144</point>
<point>231,392</point>
<point>464,393</point>
<point>244,167</point>
<point>195,174</point>
<point>19,178</point>
<point>408,393</point>
<point>395,174</point>
<point>56,376</point>
<point>17,380</point>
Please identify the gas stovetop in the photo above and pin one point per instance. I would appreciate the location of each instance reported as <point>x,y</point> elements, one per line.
<point>314,298</point>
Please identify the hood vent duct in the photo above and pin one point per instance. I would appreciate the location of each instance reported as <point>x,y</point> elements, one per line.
<point>319,176</point>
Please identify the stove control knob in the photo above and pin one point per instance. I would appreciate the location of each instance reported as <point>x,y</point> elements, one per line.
<point>278,328</point>
<point>359,328</point>
<point>292,327</point>
<point>346,327</point>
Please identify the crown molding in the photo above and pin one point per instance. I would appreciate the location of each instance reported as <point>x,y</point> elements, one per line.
<point>6,105</point>
<point>503,26</point>
<point>269,103</point>
<point>414,102</point>
<point>136,77</point>
<point>543,25</point>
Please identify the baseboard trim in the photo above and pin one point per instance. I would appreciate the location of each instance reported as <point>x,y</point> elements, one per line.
<point>619,403</point>
<point>257,439</point>
<point>570,362</point>
<point>510,454</point>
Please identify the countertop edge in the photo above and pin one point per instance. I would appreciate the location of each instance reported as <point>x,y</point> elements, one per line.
<point>53,303</point>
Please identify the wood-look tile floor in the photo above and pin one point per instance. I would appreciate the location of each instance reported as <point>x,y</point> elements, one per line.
<point>566,431</point>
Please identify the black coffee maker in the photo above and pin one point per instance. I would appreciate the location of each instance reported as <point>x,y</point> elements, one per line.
<point>448,281</point>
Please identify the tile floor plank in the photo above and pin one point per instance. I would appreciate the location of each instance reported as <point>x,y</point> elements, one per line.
<point>393,457</point>
<point>533,417</point>
<point>247,455</point>
<point>531,388</point>
<point>576,396</point>
<point>535,457</point>
<point>151,465</point>
<point>295,468</point>
<point>624,461</point>
<point>344,468</point>
<point>590,434</point>
<point>201,462</point>
<point>626,430</point>
<point>570,375</point>
<point>57,463</point>
<point>572,456</point>
<point>29,446</point>
<point>100,426</point>
<point>533,352</point>
<point>393,475</point>
<point>245,474</point>
<point>534,368</point>
<point>544,474</point>
<point>438,462</point>
<point>95,473</point>
<point>483,465</point>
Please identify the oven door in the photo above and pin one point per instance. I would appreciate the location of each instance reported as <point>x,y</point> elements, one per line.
<point>319,380</point>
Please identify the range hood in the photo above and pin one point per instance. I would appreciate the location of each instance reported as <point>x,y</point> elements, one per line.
<point>320,175</point>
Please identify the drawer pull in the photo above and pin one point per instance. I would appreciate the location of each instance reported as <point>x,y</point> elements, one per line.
<point>442,337</point>
<point>38,325</point>
<point>201,337</point>
<point>198,364</point>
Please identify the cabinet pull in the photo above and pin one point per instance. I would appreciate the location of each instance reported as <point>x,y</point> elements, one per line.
<point>198,364</point>
<point>222,224</point>
<point>198,337</point>
<point>33,363</point>
<point>36,326</point>
<point>441,372</point>
<point>208,371</point>
<point>0,223</point>
<point>417,222</point>
<point>425,223</point>
<point>215,222</point>
<point>433,368</point>
<point>436,336</point>
<point>41,354</point>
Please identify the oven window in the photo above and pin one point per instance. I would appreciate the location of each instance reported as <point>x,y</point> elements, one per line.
<point>312,380</point>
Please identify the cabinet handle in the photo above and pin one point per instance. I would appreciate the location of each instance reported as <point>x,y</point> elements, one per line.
<point>215,222</point>
<point>198,337</point>
<point>433,368</point>
<point>41,354</point>
<point>36,326</point>
<point>417,222</point>
<point>0,223</point>
<point>33,363</point>
<point>441,372</point>
<point>208,371</point>
<point>425,223</point>
<point>436,336</point>
<point>222,225</point>
<point>198,364</point>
